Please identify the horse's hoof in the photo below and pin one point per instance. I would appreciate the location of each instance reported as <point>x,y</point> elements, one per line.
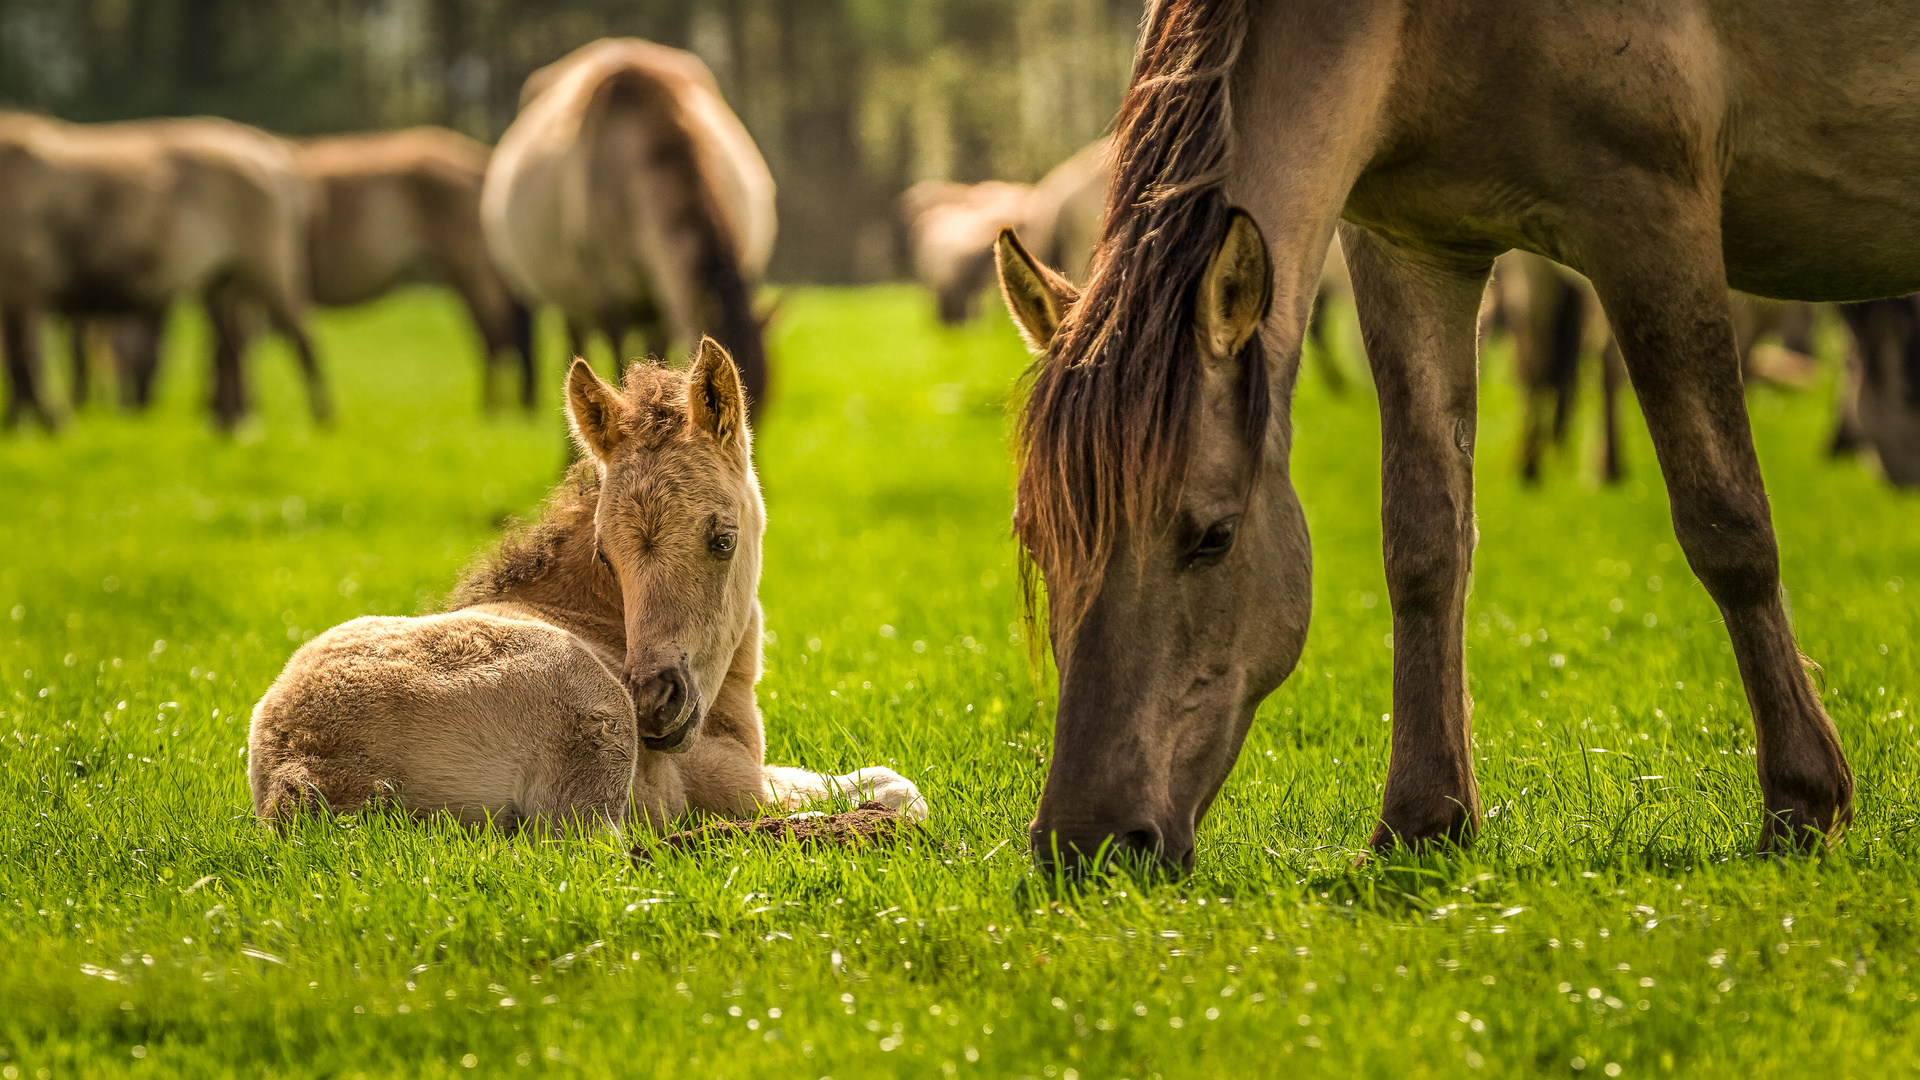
<point>1804,814</point>
<point>1453,827</point>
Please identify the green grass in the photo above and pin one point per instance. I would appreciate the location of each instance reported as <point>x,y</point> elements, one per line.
<point>1611,919</point>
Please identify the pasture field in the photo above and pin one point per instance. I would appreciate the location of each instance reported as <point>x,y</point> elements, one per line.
<point>1612,920</point>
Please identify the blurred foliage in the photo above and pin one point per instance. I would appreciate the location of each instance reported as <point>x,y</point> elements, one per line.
<point>851,101</point>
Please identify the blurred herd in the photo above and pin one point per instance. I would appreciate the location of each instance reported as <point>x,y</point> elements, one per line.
<point>632,189</point>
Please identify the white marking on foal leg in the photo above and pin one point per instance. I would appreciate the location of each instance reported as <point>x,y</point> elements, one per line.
<point>794,788</point>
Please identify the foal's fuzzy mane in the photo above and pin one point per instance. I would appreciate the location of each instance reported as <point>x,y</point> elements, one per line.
<point>1103,437</point>
<point>656,413</point>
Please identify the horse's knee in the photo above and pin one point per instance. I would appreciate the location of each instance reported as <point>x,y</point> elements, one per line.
<point>1730,548</point>
<point>1429,550</point>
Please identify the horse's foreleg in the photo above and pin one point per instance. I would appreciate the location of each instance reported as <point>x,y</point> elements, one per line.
<point>1661,277</point>
<point>1420,324</point>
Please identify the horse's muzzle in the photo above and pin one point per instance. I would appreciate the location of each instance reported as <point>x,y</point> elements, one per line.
<point>1140,844</point>
<point>666,706</point>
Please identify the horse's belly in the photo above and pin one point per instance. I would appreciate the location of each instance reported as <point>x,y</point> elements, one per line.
<point>1797,235</point>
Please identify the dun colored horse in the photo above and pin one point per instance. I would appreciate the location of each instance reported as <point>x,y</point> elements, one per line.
<point>628,194</point>
<point>1650,145</point>
<point>603,658</point>
<point>119,219</point>
<point>950,231</point>
<point>397,206</point>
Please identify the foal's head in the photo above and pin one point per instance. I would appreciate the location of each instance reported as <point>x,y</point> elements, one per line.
<point>678,525</point>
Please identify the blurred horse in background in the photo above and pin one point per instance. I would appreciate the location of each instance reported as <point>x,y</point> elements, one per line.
<point>1062,218</point>
<point>119,219</point>
<point>1556,322</point>
<point>1880,397</point>
<point>629,195</point>
<point>398,206</point>
<point>952,227</point>
<point>950,231</point>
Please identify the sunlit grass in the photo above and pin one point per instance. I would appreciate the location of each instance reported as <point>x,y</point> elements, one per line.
<point>1610,921</point>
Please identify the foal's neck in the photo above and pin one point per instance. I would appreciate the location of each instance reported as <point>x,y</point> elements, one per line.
<point>553,568</point>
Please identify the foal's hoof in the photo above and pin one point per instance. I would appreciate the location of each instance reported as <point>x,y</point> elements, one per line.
<point>891,790</point>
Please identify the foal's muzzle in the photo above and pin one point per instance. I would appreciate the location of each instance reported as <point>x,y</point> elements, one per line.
<point>666,706</point>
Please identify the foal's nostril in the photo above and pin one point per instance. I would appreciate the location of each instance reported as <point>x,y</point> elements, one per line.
<point>659,700</point>
<point>1143,841</point>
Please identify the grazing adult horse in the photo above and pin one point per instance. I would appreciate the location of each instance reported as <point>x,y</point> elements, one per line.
<point>119,219</point>
<point>628,194</point>
<point>1653,146</point>
<point>609,650</point>
<point>397,206</point>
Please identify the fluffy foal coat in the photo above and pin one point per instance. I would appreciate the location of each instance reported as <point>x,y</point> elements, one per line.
<point>608,652</point>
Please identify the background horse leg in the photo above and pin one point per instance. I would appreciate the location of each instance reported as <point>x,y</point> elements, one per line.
<point>1421,330</point>
<point>288,321</point>
<point>1323,359</point>
<point>1613,372</point>
<point>229,329</point>
<point>82,387</point>
<point>20,328</point>
<point>1661,277</point>
<point>136,356</point>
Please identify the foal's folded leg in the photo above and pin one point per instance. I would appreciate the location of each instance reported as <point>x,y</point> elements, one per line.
<point>582,781</point>
<point>794,788</point>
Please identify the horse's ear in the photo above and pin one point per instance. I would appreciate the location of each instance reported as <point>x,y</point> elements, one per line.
<point>1236,290</point>
<point>594,412</point>
<point>1037,298</point>
<point>715,398</point>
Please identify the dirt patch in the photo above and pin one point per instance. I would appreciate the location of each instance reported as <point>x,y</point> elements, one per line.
<point>868,823</point>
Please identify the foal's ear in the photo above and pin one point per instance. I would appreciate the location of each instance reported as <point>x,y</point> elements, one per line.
<point>594,411</point>
<point>1236,290</point>
<point>715,399</point>
<point>1037,298</point>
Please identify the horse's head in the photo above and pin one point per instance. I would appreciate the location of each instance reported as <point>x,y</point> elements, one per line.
<point>678,524</point>
<point>1155,501</point>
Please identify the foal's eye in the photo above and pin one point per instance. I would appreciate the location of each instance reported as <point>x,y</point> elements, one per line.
<point>722,544</point>
<point>1214,543</point>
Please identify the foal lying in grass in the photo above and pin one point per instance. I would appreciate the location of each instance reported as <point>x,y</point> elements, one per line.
<point>608,651</point>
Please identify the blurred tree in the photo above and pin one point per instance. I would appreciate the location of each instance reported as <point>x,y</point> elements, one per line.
<point>850,100</point>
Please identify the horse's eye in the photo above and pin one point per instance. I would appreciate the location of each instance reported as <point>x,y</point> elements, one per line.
<point>722,544</point>
<point>1214,543</point>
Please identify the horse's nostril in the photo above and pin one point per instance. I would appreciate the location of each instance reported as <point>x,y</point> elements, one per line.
<point>1144,841</point>
<point>660,698</point>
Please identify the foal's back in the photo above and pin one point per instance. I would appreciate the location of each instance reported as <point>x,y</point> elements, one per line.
<point>484,712</point>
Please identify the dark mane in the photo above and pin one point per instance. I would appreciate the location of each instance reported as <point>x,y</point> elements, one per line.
<point>1103,437</point>
<point>656,413</point>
